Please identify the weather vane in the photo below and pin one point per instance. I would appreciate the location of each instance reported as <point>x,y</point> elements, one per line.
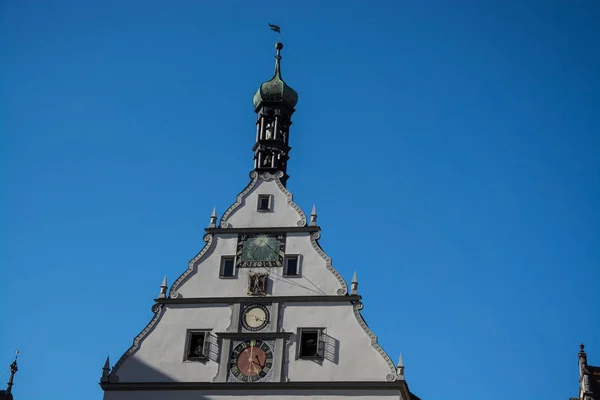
<point>277,29</point>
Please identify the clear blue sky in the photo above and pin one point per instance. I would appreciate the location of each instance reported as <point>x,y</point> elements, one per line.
<point>452,149</point>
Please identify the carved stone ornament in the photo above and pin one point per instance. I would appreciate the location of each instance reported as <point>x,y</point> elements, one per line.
<point>268,177</point>
<point>313,240</point>
<point>257,285</point>
<point>392,376</point>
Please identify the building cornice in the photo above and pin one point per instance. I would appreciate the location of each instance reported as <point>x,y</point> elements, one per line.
<point>262,299</point>
<point>255,335</point>
<point>289,229</point>
<point>231,386</point>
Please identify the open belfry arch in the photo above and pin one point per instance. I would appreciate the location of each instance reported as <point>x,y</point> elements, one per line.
<point>260,312</point>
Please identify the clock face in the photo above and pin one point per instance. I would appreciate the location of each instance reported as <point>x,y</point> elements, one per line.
<point>255,317</point>
<point>260,250</point>
<point>251,361</point>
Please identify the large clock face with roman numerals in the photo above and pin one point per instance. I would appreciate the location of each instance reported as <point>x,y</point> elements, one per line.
<point>260,250</point>
<point>251,360</point>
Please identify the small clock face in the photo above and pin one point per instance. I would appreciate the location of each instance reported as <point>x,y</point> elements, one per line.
<point>255,317</point>
<point>251,360</point>
<point>261,250</point>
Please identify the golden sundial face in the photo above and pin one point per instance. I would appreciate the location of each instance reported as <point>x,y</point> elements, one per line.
<point>261,250</point>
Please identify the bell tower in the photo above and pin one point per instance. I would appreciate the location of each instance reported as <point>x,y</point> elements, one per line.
<point>274,103</point>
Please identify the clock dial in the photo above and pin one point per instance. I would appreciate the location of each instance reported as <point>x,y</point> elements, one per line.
<point>255,317</point>
<point>261,250</point>
<point>251,360</point>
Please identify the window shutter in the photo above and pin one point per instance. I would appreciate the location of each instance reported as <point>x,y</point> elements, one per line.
<point>321,343</point>
<point>298,343</point>
<point>205,345</point>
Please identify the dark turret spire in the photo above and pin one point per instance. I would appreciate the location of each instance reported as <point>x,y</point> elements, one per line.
<point>6,394</point>
<point>274,103</point>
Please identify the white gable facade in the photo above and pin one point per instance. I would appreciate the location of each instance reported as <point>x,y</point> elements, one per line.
<point>260,312</point>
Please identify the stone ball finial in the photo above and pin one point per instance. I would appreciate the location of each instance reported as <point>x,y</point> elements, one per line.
<point>278,46</point>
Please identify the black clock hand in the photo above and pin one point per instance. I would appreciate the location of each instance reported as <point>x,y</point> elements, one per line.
<point>258,362</point>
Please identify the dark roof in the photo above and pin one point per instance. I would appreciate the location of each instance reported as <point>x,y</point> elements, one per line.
<point>414,396</point>
<point>5,396</point>
<point>594,379</point>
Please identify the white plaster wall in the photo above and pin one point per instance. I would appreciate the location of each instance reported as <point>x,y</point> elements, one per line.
<point>315,278</point>
<point>356,359</point>
<point>246,215</point>
<point>254,395</point>
<point>160,355</point>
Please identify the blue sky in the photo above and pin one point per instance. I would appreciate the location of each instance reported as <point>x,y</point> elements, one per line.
<point>451,148</point>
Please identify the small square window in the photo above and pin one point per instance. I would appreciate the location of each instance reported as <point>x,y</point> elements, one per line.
<point>311,343</point>
<point>264,202</point>
<point>197,345</point>
<point>227,267</point>
<point>292,266</point>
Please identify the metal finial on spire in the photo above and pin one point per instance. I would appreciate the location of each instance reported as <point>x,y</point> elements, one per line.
<point>278,47</point>
<point>313,216</point>
<point>163,289</point>
<point>354,284</point>
<point>213,218</point>
<point>13,370</point>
